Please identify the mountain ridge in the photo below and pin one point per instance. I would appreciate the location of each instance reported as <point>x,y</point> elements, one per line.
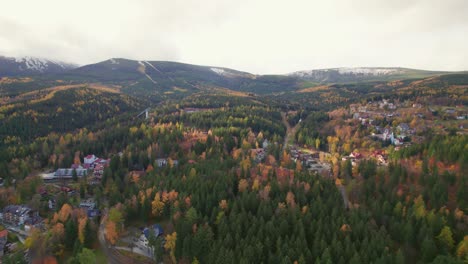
<point>360,74</point>
<point>28,65</point>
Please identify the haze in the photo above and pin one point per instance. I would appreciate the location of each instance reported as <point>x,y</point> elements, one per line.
<point>259,36</point>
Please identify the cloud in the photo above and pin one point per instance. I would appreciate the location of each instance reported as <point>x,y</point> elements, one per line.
<point>261,36</point>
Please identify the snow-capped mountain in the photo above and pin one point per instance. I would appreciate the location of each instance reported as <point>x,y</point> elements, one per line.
<point>17,66</point>
<point>358,74</point>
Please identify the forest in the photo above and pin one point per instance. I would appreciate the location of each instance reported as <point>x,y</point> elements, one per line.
<point>213,168</point>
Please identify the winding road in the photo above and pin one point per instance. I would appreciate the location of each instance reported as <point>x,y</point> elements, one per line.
<point>290,131</point>
<point>112,253</point>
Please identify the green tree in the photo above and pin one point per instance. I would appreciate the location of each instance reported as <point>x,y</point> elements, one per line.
<point>86,256</point>
<point>74,175</point>
<point>71,234</point>
<point>428,249</point>
<point>445,238</point>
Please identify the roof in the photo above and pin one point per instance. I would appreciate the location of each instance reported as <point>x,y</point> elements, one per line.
<point>403,126</point>
<point>16,209</point>
<point>69,172</point>
<point>156,228</point>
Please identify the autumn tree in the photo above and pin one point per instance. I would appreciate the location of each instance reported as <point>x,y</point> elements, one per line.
<point>243,185</point>
<point>157,206</point>
<point>170,245</point>
<point>111,232</point>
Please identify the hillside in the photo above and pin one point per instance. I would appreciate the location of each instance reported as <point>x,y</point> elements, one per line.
<point>162,80</point>
<point>149,77</point>
<point>23,66</point>
<point>362,74</point>
<point>61,109</point>
<point>217,157</point>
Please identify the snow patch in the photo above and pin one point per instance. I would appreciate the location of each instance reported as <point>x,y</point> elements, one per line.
<point>32,63</point>
<point>350,71</point>
<point>144,72</point>
<point>368,71</point>
<point>114,61</point>
<point>219,71</point>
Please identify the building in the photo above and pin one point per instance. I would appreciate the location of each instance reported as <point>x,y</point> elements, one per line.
<point>90,159</point>
<point>20,215</point>
<point>51,204</point>
<point>76,166</point>
<point>259,154</point>
<point>89,206</point>
<point>68,173</point>
<point>88,203</point>
<point>99,170</point>
<point>355,155</point>
<point>146,234</point>
<point>403,127</point>
<point>265,144</point>
<point>161,162</point>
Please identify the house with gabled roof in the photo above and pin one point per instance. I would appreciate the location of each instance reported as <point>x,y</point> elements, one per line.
<point>89,159</point>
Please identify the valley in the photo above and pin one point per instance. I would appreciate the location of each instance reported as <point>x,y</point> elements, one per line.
<point>362,165</point>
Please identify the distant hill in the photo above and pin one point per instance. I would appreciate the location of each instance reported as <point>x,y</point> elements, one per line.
<point>362,74</point>
<point>63,109</point>
<point>24,66</point>
<point>118,69</point>
<point>165,76</point>
<point>160,80</point>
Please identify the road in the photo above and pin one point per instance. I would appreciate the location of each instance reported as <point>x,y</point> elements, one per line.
<point>112,253</point>
<point>345,197</point>
<point>290,131</point>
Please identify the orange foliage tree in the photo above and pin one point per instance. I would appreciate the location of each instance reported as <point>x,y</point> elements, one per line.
<point>243,184</point>
<point>111,232</point>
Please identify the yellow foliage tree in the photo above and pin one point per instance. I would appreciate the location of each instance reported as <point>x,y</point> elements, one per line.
<point>420,208</point>
<point>157,205</point>
<point>255,185</point>
<point>170,245</point>
<point>81,228</point>
<point>193,172</point>
<point>462,249</point>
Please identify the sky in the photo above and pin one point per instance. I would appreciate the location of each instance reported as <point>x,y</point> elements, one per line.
<point>258,36</point>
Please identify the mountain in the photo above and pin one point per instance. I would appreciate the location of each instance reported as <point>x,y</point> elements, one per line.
<point>160,80</point>
<point>129,70</point>
<point>22,66</point>
<point>165,76</point>
<point>362,74</point>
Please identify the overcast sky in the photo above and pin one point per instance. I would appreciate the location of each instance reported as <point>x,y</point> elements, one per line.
<point>259,36</point>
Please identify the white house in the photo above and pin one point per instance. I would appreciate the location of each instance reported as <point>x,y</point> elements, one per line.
<point>90,159</point>
<point>161,162</point>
